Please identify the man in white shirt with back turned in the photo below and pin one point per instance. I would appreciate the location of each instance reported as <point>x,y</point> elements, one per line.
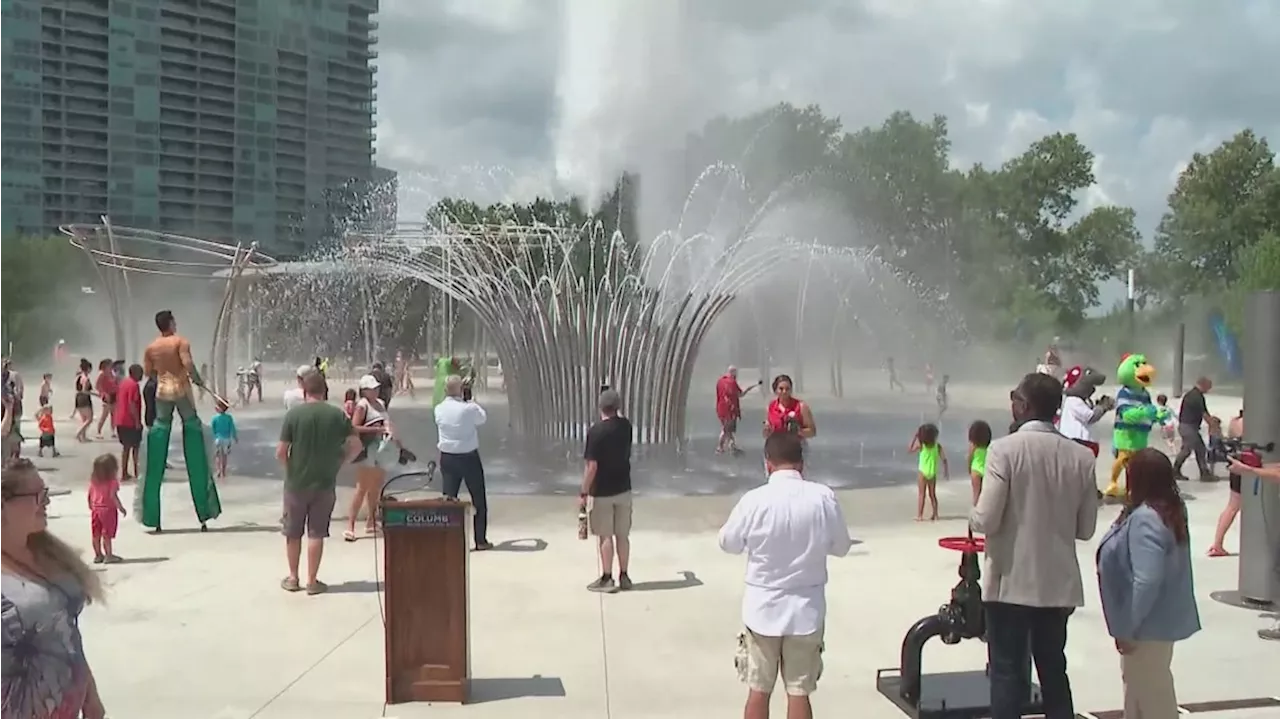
<point>788,527</point>
<point>457,426</point>
<point>294,396</point>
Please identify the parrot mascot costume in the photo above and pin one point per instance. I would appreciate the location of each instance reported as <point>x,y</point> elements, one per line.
<point>1135,415</point>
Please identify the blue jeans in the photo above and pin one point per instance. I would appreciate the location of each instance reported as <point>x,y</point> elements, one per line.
<point>1016,635</point>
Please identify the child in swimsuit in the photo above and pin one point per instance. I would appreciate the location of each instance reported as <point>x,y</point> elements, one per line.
<point>1168,427</point>
<point>979,441</point>
<point>925,443</point>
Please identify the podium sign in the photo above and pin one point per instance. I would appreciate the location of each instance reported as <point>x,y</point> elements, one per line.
<point>427,624</point>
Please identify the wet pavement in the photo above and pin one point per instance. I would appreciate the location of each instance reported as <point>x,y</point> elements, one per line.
<point>860,444</point>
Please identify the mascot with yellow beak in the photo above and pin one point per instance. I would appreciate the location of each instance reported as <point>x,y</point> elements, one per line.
<point>1135,415</point>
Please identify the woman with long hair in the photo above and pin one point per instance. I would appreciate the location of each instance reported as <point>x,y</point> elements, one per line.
<point>1144,577</point>
<point>372,424</point>
<point>105,385</point>
<point>84,400</point>
<point>46,674</point>
<point>787,413</point>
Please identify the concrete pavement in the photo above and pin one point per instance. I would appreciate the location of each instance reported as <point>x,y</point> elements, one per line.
<point>196,625</point>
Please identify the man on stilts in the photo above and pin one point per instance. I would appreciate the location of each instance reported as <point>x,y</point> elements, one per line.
<point>168,363</point>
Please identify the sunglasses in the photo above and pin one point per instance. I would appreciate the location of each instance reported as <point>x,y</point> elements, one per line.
<point>43,494</point>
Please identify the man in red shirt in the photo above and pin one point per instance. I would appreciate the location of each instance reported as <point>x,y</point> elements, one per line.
<point>729,409</point>
<point>127,418</point>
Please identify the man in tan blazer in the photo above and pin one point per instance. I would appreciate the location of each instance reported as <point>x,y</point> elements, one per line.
<point>1039,497</point>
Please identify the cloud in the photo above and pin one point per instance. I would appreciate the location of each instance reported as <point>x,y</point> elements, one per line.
<point>568,93</point>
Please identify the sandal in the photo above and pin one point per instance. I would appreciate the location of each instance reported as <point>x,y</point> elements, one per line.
<point>348,536</point>
<point>289,584</point>
<point>1215,552</point>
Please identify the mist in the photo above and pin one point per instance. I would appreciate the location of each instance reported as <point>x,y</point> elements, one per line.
<point>624,90</point>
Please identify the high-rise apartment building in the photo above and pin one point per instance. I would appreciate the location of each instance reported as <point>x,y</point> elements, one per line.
<point>224,119</point>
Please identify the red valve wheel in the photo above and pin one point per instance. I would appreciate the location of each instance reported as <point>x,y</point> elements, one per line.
<point>963,544</point>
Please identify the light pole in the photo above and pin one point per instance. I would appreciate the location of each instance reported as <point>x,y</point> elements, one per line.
<point>1133,322</point>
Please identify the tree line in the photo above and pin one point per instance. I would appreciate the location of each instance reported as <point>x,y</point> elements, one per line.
<point>1011,245</point>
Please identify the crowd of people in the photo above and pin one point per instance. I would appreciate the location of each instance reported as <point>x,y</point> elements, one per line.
<point>1034,498</point>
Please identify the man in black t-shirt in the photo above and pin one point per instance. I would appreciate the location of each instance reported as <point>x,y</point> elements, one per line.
<point>606,491</point>
<point>1191,414</point>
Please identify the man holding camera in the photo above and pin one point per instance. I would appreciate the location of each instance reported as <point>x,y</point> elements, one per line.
<point>458,422</point>
<point>1269,473</point>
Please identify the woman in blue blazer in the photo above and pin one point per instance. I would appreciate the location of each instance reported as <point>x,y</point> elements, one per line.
<point>1144,576</point>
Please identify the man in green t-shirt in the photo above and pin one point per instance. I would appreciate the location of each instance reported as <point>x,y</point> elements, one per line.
<point>315,441</point>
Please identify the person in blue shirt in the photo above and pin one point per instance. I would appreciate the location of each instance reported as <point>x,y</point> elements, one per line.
<point>1144,577</point>
<point>223,428</point>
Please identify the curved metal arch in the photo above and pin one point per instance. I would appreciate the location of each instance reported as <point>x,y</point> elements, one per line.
<point>235,261</point>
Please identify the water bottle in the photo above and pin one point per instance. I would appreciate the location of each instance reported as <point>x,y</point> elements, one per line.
<point>582,520</point>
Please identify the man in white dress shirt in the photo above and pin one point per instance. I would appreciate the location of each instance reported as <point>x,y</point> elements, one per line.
<point>457,426</point>
<point>788,527</point>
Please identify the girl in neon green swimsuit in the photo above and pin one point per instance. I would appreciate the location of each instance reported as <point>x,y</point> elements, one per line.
<point>925,442</point>
<point>979,440</point>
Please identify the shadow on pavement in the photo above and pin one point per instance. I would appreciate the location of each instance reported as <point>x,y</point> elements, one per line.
<point>532,544</point>
<point>230,529</point>
<point>689,579</point>
<point>496,689</point>
<point>358,586</point>
<point>142,560</point>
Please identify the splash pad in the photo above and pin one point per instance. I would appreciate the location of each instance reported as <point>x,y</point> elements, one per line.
<point>571,310</point>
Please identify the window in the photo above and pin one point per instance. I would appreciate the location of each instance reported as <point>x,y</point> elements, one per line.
<point>145,47</point>
<point>145,79</point>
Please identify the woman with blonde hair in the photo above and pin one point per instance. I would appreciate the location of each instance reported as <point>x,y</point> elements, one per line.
<point>379,451</point>
<point>45,585</point>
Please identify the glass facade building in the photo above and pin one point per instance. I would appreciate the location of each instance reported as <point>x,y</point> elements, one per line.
<point>222,119</point>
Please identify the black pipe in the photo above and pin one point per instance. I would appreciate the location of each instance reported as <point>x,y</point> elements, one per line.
<point>912,649</point>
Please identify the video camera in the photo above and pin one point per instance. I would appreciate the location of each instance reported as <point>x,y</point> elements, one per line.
<point>1224,449</point>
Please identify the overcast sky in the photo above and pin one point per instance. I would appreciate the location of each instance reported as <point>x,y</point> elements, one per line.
<point>490,97</point>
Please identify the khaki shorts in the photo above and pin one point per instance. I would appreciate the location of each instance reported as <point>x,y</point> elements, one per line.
<point>610,516</point>
<point>799,658</point>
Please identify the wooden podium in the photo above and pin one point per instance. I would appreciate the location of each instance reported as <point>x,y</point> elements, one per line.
<point>427,623</point>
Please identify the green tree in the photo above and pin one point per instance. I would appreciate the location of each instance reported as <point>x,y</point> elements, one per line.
<point>1259,269</point>
<point>37,279</point>
<point>1224,203</point>
<point>1033,197</point>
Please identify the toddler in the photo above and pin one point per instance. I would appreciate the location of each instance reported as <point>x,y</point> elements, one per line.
<point>105,507</point>
<point>925,442</point>
<point>44,420</point>
<point>979,441</point>
<point>349,403</point>
<point>1168,427</point>
<point>223,428</point>
<point>942,395</point>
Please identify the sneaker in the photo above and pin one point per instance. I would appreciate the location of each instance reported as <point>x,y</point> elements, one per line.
<point>98,559</point>
<point>624,582</point>
<point>603,584</point>
<point>111,559</point>
<point>1271,633</point>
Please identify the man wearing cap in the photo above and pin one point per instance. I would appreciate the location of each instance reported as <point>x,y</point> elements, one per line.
<point>295,395</point>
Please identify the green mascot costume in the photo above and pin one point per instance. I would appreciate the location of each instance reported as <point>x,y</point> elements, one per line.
<point>1135,415</point>
<point>168,365</point>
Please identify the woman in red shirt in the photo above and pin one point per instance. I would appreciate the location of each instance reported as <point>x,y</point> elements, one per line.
<point>105,386</point>
<point>787,413</point>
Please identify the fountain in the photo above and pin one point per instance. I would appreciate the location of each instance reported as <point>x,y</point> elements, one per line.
<point>571,310</point>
